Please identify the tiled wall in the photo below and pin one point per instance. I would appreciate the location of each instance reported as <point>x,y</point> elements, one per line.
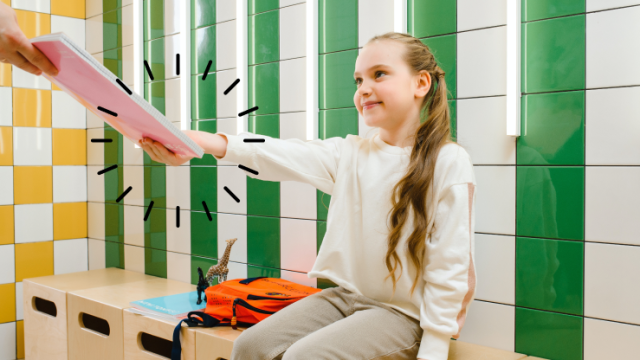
<point>43,181</point>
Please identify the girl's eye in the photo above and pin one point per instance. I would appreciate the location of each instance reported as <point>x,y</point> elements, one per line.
<point>356,80</point>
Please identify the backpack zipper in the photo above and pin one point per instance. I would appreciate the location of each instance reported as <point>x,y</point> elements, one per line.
<point>257,297</point>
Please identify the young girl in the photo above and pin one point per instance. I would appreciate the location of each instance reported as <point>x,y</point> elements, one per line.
<point>402,198</point>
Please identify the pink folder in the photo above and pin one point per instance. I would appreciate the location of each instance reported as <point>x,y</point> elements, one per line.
<point>99,90</point>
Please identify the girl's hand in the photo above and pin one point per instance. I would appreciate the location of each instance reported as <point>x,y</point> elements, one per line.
<point>158,152</point>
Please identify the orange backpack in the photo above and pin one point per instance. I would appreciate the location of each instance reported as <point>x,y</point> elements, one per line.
<point>242,301</point>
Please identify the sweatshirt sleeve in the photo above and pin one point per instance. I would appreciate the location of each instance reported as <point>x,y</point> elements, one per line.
<point>450,277</point>
<point>313,162</point>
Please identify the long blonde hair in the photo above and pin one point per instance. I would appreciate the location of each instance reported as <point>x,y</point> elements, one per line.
<point>433,133</point>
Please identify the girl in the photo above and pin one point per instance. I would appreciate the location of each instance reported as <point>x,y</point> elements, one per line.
<point>402,198</point>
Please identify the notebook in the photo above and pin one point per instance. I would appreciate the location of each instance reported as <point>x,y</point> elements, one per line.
<point>100,91</point>
<point>171,307</point>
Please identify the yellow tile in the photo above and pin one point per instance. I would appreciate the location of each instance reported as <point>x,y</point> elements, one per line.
<point>55,87</point>
<point>32,184</point>
<point>69,147</point>
<point>20,338</point>
<point>8,2</point>
<point>34,24</point>
<point>69,220</point>
<point>7,303</point>
<point>31,107</point>
<point>5,74</point>
<point>6,145</point>
<point>34,260</point>
<point>6,225</point>
<point>72,8</point>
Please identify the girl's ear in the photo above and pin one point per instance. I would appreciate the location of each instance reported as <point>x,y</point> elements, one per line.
<point>423,83</point>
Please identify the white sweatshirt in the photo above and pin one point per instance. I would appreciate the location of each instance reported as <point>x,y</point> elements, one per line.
<point>360,174</point>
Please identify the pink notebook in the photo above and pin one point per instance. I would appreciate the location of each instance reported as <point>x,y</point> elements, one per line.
<point>99,90</point>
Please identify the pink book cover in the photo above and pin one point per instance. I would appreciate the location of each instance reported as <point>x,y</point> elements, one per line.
<point>100,91</point>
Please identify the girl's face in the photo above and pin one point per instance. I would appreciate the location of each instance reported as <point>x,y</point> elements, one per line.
<point>382,77</point>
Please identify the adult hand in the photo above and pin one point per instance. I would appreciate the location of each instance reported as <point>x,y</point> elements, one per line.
<point>158,152</point>
<point>16,49</point>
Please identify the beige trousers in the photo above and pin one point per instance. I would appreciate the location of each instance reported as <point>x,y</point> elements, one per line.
<point>334,323</point>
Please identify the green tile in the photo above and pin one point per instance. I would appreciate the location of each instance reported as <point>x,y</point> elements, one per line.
<point>325,283</point>
<point>257,271</point>
<point>322,204</point>
<point>258,6</point>
<point>549,275</point>
<point>155,262</point>
<point>337,25</point>
<point>203,97</point>
<point>112,60</point>
<point>453,122</point>
<point>113,150</point>
<point>209,126</point>
<point>263,197</point>
<point>264,38</point>
<point>203,13</point>
<point>548,335</point>
<point>203,49</point>
<point>114,223</point>
<point>321,229</point>
<point>113,185</point>
<point>108,5</point>
<point>337,123</point>
<point>114,254</point>
<point>204,182</point>
<point>268,125</point>
<point>553,54</point>
<point>444,49</point>
<point>155,229</point>
<point>264,88</point>
<point>112,30</point>
<point>431,17</point>
<point>263,241</point>
<point>153,19</point>
<point>155,186</point>
<point>154,55</point>
<point>544,9</point>
<point>155,92</point>
<point>202,263</point>
<point>335,74</point>
<point>204,234</point>
<point>550,202</point>
<point>552,129</point>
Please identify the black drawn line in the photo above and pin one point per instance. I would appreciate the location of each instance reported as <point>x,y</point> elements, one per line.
<point>232,194</point>
<point>146,216</point>
<point>124,194</point>
<point>177,216</point>
<point>253,140</point>
<point>101,140</point>
<point>107,169</point>
<point>146,65</point>
<point>124,86</point>
<point>248,111</point>
<point>247,169</point>
<point>107,111</point>
<point>177,64</point>
<point>206,71</point>
<point>206,208</point>
<point>231,86</point>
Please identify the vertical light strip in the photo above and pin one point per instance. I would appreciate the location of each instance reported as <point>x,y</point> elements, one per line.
<point>400,16</point>
<point>513,67</point>
<point>185,66</point>
<point>138,46</point>
<point>241,64</point>
<point>313,110</point>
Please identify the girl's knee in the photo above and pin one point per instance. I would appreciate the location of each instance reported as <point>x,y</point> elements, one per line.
<point>253,345</point>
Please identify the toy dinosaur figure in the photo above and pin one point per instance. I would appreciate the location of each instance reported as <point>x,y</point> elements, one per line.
<point>221,269</point>
<point>201,287</point>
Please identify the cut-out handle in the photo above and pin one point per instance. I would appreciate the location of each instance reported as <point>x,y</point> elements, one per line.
<point>45,306</point>
<point>156,345</point>
<point>95,323</point>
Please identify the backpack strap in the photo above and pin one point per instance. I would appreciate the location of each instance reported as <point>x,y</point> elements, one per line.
<point>249,280</point>
<point>194,319</point>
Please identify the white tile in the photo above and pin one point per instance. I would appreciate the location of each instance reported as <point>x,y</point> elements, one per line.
<point>7,264</point>
<point>99,57</point>
<point>96,254</point>
<point>476,14</point>
<point>94,121</point>
<point>96,220</point>
<point>237,270</point>
<point>8,341</point>
<point>293,32</point>
<point>132,155</point>
<point>612,126</point>
<point>365,131</point>
<point>226,104</point>
<point>298,278</point>
<point>611,204</point>
<point>93,8</point>
<point>374,19</point>
<point>225,10</point>
<point>94,34</point>
<point>293,126</point>
<point>127,2</point>
<point>67,112</point>
<point>607,299</point>
<point>6,107</point>
<point>491,325</point>
<point>42,6</point>
<point>226,45</point>
<point>235,179</point>
<point>595,5</point>
<point>134,176</point>
<point>179,267</point>
<point>128,66</point>
<point>172,16</point>
<point>19,303</point>
<point>171,49</point>
<point>610,340</point>
<point>178,187</point>
<point>293,89</point>
<point>134,225</point>
<point>32,146</point>
<point>95,184</point>
<point>495,260</point>
<point>172,99</point>
<point>134,258</point>
<point>613,63</point>
<point>231,227</point>
<point>482,75</point>
<point>25,217</point>
<point>127,25</point>
<point>297,244</point>
<point>70,256</point>
<point>23,79</point>
<point>95,151</point>
<point>179,238</point>
<point>69,183</point>
<point>72,27</point>
<point>482,131</point>
<point>297,200</point>
<point>496,199</point>
<point>6,190</point>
